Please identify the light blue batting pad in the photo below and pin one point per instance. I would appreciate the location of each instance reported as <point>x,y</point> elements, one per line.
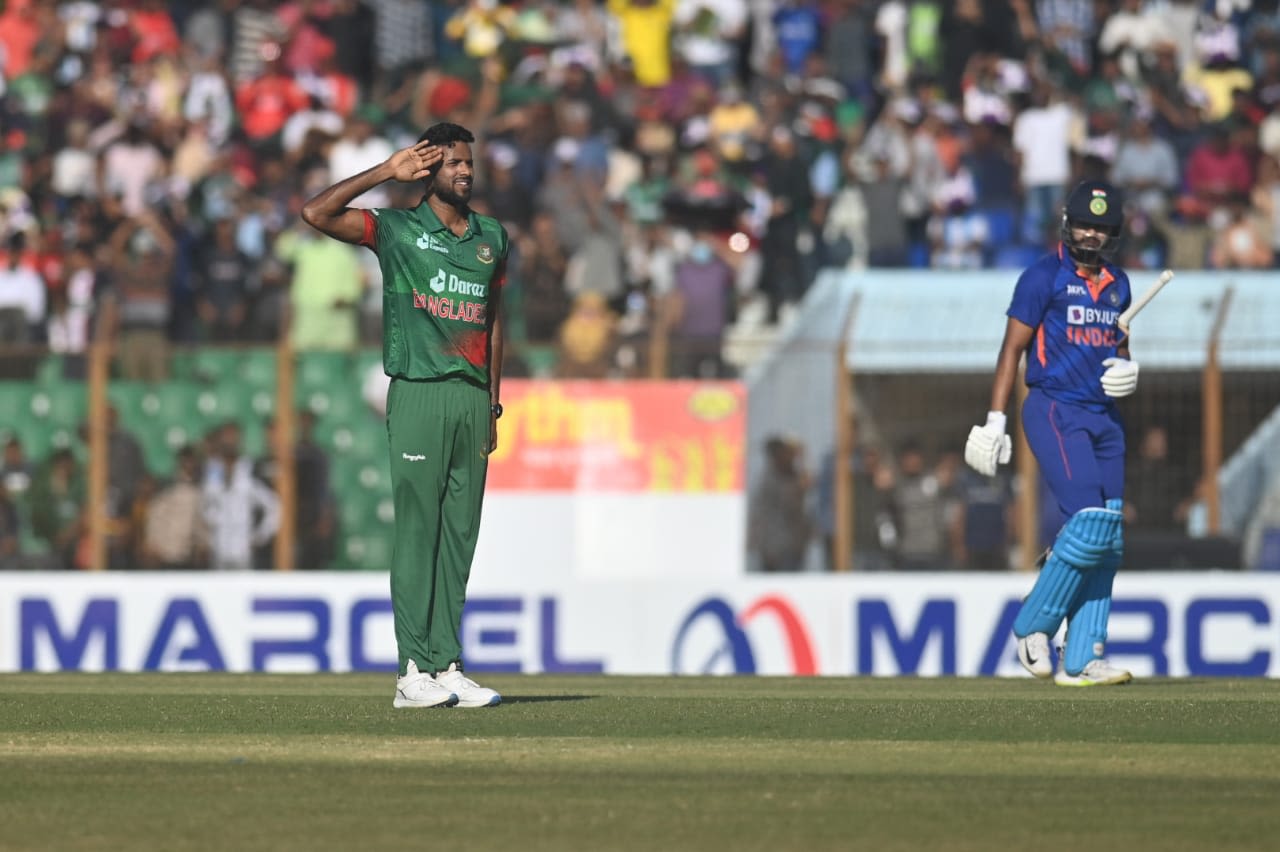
<point>1084,540</point>
<point>1087,618</point>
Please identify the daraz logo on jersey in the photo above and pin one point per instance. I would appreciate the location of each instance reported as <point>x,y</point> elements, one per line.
<point>442,281</point>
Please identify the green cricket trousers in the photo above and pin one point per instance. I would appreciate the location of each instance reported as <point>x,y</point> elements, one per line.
<point>438,434</point>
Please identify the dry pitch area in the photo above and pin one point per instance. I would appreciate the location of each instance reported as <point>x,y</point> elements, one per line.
<point>258,762</point>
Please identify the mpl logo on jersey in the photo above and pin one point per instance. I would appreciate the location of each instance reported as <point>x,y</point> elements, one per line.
<point>766,636</point>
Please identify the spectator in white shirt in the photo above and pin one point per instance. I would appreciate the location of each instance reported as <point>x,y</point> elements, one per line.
<point>71,305</point>
<point>708,32</point>
<point>208,99</point>
<point>240,511</point>
<point>316,117</point>
<point>360,148</point>
<point>75,169</point>
<point>1041,137</point>
<point>1132,33</point>
<point>1146,166</point>
<point>129,165</point>
<point>22,296</point>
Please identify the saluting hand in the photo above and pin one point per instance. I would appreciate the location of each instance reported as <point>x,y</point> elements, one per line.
<point>414,163</point>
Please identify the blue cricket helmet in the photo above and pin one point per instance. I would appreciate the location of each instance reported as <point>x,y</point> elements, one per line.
<point>1093,204</point>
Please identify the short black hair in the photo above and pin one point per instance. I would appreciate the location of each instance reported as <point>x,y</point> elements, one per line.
<point>446,133</point>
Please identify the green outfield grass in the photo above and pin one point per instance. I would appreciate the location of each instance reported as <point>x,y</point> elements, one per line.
<point>258,762</point>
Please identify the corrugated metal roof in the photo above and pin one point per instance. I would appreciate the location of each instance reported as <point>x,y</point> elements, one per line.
<point>939,321</point>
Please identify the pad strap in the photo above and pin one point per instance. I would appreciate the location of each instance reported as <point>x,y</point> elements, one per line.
<point>1088,536</point>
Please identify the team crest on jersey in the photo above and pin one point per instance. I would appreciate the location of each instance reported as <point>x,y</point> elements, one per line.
<point>1114,297</point>
<point>484,253</point>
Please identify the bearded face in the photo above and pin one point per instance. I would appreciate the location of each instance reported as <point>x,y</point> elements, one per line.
<point>453,180</point>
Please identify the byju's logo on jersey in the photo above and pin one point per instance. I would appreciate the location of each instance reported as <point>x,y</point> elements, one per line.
<point>1081,315</point>
<point>428,242</point>
<point>438,281</point>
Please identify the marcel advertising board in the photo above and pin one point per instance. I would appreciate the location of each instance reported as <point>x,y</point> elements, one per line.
<point>922,625</point>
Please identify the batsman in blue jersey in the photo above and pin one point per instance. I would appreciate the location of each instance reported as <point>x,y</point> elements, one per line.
<point>1064,317</point>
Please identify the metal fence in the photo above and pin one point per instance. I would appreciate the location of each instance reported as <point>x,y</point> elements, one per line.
<point>885,373</point>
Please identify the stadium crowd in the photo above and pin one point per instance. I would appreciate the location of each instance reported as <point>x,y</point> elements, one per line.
<point>678,164</point>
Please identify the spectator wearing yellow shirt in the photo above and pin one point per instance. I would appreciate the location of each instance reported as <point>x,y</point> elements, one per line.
<point>325,290</point>
<point>1218,73</point>
<point>481,26</point>
<point>734,125</point>
<point>587,338</point>
<point>646,37</point>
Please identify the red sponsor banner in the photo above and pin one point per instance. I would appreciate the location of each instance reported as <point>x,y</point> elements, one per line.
<point>668,436</point>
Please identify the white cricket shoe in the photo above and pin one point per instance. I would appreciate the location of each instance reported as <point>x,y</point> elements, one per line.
<point>1096,673</point>
<point>1033,653</point>
<point>419,689</point>
<point>470,693</point>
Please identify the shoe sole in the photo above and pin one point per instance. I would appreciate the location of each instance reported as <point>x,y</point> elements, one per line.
<point>1079,682</point>
<point>492,702</point>
<point>402,702</point>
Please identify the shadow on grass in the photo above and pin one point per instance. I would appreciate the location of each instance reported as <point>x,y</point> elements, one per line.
<point>537,699</point>
<point>1165,680</point>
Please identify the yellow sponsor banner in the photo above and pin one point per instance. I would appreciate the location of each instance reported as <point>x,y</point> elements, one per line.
<point>669,436</point>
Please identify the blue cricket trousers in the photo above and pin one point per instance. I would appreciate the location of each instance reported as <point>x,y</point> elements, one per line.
<point>1080,451</point>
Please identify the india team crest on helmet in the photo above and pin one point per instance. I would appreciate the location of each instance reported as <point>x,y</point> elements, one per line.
<point>1098,205</point>
<point>484,253</point>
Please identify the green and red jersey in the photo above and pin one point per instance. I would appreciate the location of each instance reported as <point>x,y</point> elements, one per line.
<point>439,292</point>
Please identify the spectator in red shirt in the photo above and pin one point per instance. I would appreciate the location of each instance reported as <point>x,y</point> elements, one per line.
<point>153,31</point>
<point>1216,170</point>
<point>307,44</point>
<point>334,89</point>
<point>19,34</point>
<point>265,104</point>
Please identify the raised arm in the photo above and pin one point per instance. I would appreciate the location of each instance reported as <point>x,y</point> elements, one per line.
<point>328,212</point>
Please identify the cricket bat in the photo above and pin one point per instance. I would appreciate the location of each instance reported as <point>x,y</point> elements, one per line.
<point>1141,301</point>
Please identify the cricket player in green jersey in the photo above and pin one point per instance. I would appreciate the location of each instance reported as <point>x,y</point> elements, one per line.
<point>443,267</point>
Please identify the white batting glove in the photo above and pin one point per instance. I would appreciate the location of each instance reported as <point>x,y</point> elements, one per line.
<point>1120,378</point>
<point>988,445</point>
